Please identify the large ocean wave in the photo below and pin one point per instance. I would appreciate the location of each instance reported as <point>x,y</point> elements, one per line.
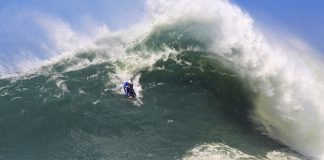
<point>209,84</point>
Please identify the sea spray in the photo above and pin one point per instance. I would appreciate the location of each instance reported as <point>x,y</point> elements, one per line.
<point>286,87</point>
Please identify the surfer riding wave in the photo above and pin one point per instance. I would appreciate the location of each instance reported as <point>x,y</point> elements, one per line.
<point>129,90</point>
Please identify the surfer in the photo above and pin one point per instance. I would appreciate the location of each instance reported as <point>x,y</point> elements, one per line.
<point>129,90</point>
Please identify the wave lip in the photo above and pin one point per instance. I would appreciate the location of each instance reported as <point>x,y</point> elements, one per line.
<point>287,80</point>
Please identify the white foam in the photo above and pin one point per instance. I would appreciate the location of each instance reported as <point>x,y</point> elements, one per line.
<point>60,84</point>
<point>219,151</point>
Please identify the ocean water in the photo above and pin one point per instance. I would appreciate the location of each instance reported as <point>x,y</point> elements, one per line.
<point>210,85</point>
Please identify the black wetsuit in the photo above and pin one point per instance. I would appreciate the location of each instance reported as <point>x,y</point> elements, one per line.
<point>130,91</point>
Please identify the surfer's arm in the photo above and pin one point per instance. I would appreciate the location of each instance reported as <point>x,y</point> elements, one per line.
<point>125,91</point>
<point>125,85</point>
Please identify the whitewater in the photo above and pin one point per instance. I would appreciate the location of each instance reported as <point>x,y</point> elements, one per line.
<point>211,84</point>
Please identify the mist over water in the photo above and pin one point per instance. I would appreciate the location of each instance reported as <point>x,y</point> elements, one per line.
<point>210,85</point>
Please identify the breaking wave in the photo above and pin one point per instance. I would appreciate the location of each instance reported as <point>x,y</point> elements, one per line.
<point>205,75</point>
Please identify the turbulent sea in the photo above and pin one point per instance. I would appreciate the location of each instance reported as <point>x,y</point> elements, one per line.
<point>210,85</point>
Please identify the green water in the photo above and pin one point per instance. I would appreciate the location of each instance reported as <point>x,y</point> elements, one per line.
<point>83,118</point>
